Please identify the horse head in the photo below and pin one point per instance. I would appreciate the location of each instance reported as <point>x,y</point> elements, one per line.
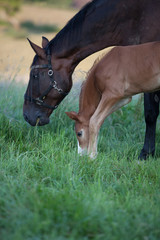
<point>48,85</point>
<point>81,130</point>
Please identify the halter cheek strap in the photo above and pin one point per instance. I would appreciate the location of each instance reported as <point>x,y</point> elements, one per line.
<point>39,102</point>
<point>53,84</point>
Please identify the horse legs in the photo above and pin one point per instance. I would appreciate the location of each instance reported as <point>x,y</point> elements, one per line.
<point>151,111</point>
<point>104,109</point>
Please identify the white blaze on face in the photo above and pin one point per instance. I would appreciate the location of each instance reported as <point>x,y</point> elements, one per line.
<point>81,151</point>
<point>81,139</point>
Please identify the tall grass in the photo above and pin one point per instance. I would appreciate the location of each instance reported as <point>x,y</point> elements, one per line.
<point>48,192</point>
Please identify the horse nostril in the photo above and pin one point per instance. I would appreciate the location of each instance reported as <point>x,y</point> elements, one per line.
<point>26,118</point>
<point>38,117</point>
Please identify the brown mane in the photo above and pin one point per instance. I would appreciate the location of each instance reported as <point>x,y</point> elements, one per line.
<point>97,60</point>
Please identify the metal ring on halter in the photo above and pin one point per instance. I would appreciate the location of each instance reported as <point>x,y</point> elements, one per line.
<point>53,84</point>
<point>50,72</point>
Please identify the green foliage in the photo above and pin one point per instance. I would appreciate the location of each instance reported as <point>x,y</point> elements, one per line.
<point>28,27</point>
<point>49,192</point>
<point>10,6</point>
<point>45,28</point>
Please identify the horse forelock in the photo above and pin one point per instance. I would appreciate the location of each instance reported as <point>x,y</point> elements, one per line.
<point>36,56</point>
<point>34,60</point>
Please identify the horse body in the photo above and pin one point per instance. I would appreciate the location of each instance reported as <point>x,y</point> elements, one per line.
<point>120,74</point>
<point>100,24</point>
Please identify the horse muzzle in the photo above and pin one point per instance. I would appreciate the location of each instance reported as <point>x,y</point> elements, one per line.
<point>36,119</point>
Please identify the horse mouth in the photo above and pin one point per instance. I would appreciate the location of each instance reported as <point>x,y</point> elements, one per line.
<point>41,121</point>
<point>38,120</point>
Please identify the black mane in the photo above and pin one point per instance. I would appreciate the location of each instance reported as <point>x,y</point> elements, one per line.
<point>73,29</point>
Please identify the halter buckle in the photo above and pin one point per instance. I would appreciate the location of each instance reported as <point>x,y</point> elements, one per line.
<point>50,72</point>
<point>39,101</point>
<point>54,85</point>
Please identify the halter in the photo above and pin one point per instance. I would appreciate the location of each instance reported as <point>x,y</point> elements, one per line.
<point>53,84</point>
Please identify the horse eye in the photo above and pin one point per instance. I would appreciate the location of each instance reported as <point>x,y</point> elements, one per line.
<point>79,134</point>
<point>35,76</point>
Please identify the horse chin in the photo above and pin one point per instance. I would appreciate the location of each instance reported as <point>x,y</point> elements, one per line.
<point>42,121</point>
<point>37,122</point>
<point>35,117</point>
<point>82,151</point>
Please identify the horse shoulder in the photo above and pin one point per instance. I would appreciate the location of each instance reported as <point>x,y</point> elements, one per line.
<point>109,70</point>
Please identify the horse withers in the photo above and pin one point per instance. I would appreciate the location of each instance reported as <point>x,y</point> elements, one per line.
<point>111,83</point>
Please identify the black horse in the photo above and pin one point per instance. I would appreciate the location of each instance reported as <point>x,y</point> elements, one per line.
<point>100,24</point>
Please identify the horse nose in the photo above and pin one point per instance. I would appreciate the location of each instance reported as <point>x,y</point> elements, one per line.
<point>31,120</point>
<point>25,117</point>
<point>36,119</point>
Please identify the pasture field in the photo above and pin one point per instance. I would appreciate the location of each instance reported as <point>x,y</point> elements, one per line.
<point>48,192</point>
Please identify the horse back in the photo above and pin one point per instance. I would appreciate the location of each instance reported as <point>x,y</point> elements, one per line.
<point>128,66</point>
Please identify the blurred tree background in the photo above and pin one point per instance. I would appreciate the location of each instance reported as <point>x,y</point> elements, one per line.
<point>58,3</point>
<point>63,3</point>
<point>8,8</point>
<point>12,6</point>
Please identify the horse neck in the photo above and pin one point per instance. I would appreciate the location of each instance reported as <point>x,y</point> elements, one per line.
<point>98,25</point>
<point>89,97</point>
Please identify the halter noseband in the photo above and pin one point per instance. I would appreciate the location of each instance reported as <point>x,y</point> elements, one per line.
<point>53,84</point>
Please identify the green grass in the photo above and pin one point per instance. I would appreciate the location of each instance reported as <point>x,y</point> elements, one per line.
<point>48,192</point>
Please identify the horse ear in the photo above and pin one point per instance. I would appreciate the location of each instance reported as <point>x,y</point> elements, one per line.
<point>44,42</point>
<point>38,50</point>
<point>72,115</point>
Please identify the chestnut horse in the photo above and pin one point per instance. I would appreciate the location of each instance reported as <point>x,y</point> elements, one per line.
<point>111,83</point>
<point>100,24</point>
